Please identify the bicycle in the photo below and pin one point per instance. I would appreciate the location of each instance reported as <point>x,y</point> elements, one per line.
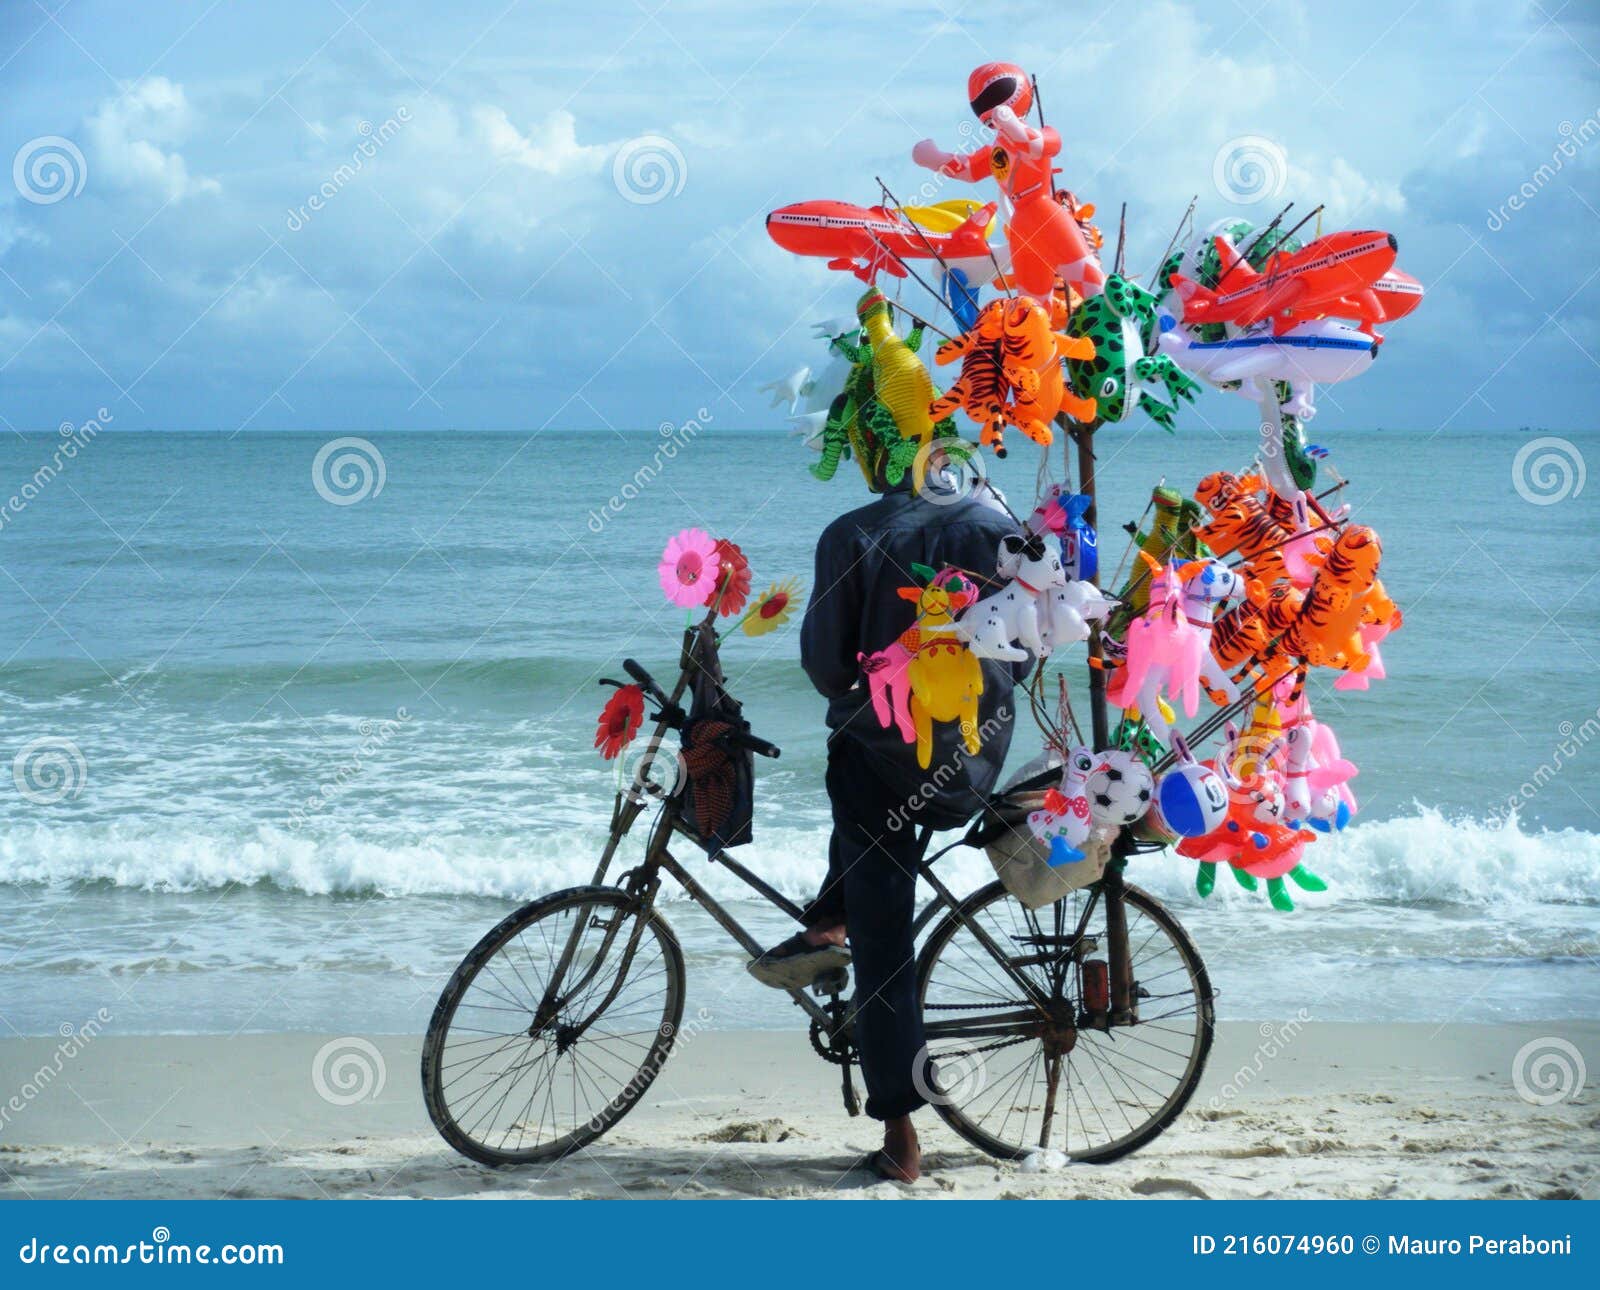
<point>568,1009</point>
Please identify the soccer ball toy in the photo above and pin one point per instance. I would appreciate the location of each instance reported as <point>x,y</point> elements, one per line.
<point>1119,788</point>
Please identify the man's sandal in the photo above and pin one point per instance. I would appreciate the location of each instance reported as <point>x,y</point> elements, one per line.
<point>796,963</point>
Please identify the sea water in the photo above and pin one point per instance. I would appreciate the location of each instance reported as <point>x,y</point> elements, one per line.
<point>314,748</point>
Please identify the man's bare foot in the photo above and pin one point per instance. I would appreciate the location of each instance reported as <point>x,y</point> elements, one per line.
<point>825,935</point>
<point>900,1160</point>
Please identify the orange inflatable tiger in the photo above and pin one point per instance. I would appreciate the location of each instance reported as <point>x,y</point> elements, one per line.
<point>1326,631</point>
<point>1240,521</point>
<point>1011,373</point>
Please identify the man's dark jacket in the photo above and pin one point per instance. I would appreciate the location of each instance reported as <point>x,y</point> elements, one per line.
<point>863,558</point>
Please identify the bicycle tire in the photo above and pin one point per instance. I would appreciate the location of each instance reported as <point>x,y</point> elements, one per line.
<point>436,1051</point>
<point>954,1110</point>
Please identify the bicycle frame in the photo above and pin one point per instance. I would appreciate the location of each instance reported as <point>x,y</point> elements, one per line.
<point>643,882</point>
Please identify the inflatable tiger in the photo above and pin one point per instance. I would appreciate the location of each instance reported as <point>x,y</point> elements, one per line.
<point>980,389</point>
<point>1240,521</point>
<point>1011,373</point>
<point>1326,632</point>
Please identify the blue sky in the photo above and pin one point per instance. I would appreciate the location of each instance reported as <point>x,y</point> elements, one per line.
<point>483,267</point>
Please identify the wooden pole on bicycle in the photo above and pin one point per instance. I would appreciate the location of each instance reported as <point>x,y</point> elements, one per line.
<point>1117,954</point>
<point>1099,722</point>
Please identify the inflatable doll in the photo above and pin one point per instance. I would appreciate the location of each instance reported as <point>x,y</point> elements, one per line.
<point>1044,237</point>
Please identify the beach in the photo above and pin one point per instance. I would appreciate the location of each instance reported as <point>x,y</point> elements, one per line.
<point>1284,1111</point>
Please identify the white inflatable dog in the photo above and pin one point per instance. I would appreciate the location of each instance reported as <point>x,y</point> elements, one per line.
<point>1066,612</point>
<point>1032,570</point>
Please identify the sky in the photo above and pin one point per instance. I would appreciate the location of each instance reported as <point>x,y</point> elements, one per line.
<point>334,215</point>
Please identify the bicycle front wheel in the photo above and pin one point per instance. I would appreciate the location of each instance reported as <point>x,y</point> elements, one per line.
<point>1015,1075</point>
<point>553,1027</point>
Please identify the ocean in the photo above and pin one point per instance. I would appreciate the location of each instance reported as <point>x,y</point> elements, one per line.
<point>278,760</point>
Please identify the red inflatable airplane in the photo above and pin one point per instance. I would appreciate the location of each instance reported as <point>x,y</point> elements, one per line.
<point>868,240</point>
<point>1335,274</point>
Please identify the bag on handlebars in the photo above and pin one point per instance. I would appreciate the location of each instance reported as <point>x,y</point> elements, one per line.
<point>720,797</point>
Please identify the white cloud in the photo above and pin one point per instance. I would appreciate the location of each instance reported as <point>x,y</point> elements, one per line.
<point>1351,197</point>
<point>127,135</point>
<point>551,148</point>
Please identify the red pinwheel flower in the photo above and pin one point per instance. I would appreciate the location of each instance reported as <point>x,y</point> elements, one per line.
<point>620,720</point>
<point>733,580</point>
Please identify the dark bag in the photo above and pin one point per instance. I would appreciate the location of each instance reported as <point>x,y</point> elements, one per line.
<point>720,798</point>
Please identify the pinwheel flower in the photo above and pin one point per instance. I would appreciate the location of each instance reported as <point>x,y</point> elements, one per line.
<point>772,610</point>
<point>619,720</point>
<point>733,580</point>
<point>688,568</point>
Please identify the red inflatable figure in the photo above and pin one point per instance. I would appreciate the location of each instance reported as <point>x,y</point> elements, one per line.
<point>1043,234</point>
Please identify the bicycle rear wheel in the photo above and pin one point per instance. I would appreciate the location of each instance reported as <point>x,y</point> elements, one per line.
<point>1014,1076</point>
<point>514,1072</point>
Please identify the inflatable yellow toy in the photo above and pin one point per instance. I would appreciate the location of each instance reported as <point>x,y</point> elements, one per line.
<point>946,677</point>
<point>900,381</point>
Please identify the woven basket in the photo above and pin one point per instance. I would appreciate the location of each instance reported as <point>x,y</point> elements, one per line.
<point>1021,861</point>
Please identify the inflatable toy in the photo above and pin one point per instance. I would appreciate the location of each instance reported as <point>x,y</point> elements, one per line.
<point>1334,274</point>
<point>1011,373</point>
<point>882,415</point>
<point>788,390</point>
<point>1065,612</point>
<point>1031,569</point>
<point>1064,820</point>
<point>945,677</point>
<point>889,685</point>
<point>1326,631</point>
<point>1264,365</point>
<point>1167,648</point>
<point>1379,617</point>
<point>1119,788</point>
<point>1240,523</point>
<point>869,240</point>
<point>1031,355</point>
<point>1043,236</point>
<point>1191,799</point>
<point>960,298</point>
<point>1063,513</point>
<point>1244,632</point>
<point>1121,375</point>
<point>1252,838</point>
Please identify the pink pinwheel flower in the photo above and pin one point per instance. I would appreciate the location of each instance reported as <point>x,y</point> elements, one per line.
<point>689,568</point>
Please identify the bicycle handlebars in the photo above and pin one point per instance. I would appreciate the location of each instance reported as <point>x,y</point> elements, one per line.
<point>738,738</point>
<point>645,679</point>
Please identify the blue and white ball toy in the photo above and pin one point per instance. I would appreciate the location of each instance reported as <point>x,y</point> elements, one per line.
<point>1191,800</point>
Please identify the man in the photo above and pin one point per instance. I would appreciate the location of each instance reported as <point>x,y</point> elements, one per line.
<point>881,798</point>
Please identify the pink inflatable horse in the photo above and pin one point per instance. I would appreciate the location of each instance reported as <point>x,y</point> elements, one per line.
<point>1169,645</point>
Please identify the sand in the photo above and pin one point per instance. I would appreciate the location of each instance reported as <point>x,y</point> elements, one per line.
<point>1342,1110</point>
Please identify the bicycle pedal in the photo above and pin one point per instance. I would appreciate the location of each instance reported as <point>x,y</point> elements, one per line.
<point>833,981</point>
